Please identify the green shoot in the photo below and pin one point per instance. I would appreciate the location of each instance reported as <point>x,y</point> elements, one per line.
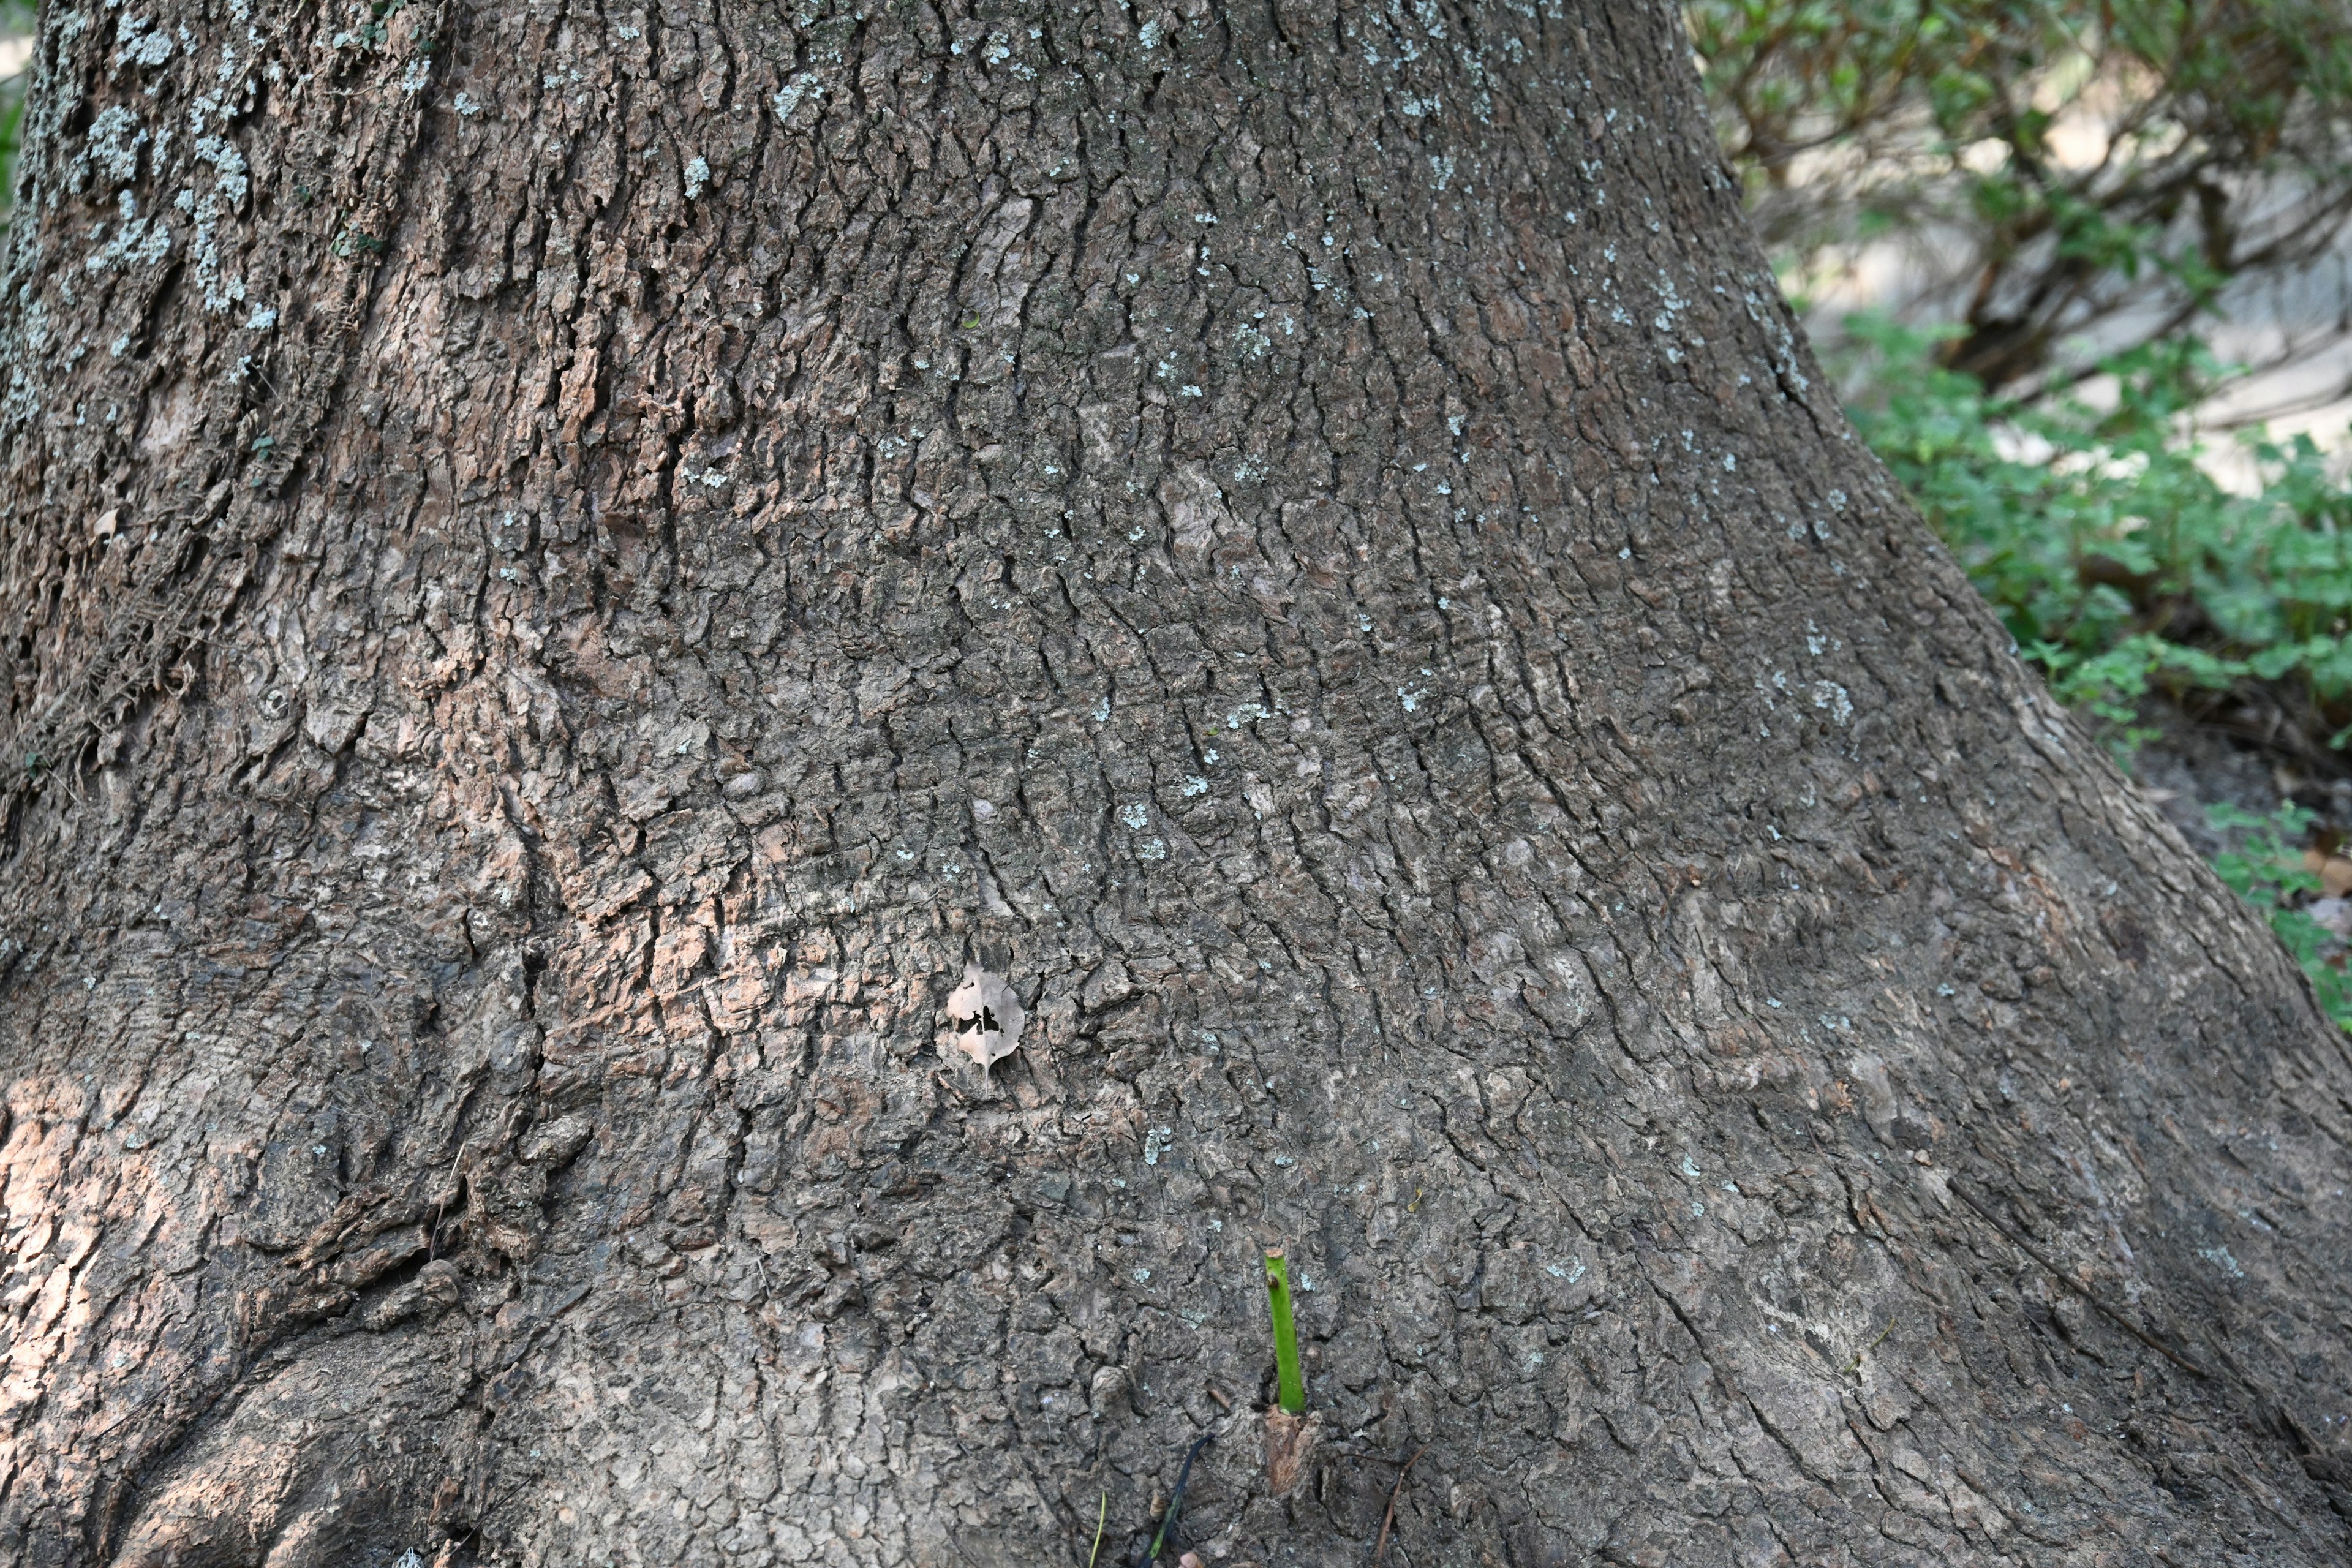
<point>1291,1384</point>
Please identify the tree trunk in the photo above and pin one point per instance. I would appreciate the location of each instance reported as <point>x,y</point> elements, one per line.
<point>737,740</point>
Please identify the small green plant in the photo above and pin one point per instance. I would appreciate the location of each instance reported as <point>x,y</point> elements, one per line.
<point>1290,1385</point>
<point>2126,570</point>
<point>2028,158</point>
<point>2120,563</point>
<point>2267,870</point>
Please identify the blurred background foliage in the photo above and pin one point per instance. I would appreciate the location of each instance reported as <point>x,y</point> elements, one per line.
<point>2065,178</point>
<point>2075,265</point>
<point>16,23</point>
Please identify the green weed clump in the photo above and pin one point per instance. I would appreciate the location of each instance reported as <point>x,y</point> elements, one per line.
<point>2030,162</point>
<point>2120,563</point>
<point>2124,569</point>
<point>2268,871</point>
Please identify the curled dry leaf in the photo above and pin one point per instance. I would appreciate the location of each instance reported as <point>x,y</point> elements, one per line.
<point>1290,1442</point>
<point>2334,872</point>
<point>984,1018</point>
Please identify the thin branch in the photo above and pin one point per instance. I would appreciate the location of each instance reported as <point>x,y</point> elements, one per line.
<point>2133,1329</point>
<point>1380,1552</point>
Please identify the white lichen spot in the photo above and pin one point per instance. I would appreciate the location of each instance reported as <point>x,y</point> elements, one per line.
<point>419,72</point>
<point>1831,696</point>
<point>225,157</point>
<point>1149,36</point>
<point>115,138</point>
<point>698,176</point>
<point>1152,849</point>
<point>2218,1257</point>
<point>1195,786</point>
<point>1135,816</point>
<point>793,92</point>
<point>1411,700</point>
<point>140,47</point>
<point>465,105</point>
<point>1158,1139</point>
<point>138,242</point>
<point>262,319</point>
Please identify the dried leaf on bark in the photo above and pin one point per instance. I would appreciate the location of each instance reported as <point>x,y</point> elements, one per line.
<point>984,1018</point>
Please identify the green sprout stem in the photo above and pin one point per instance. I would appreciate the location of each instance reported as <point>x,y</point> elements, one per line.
<point>1291,1385</point>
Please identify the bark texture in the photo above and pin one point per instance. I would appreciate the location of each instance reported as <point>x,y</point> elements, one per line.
<point>572,571</point>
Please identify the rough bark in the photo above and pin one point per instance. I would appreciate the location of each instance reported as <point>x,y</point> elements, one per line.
<point>567,569</point>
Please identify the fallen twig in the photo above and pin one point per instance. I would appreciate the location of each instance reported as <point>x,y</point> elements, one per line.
<point>1855,1363</point>
<point>1381,1551</point>
<point>1176,1499</point>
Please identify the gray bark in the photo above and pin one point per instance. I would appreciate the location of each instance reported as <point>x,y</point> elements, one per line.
<point>572,573</point>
